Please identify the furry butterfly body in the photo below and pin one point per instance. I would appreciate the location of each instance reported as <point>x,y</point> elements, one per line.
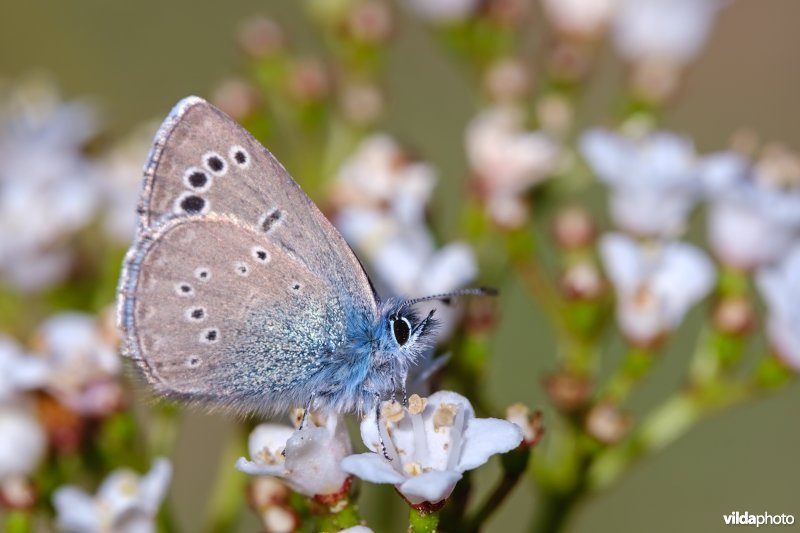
<point>238,292</point>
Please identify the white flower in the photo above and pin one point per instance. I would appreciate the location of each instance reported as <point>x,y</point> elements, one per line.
<point>580,17</point>
<point>47,185</point>
<point>379,173</point>
<point>780,287</point>
<point>18,371</point>
<point>444,11</point>
<point>507,160</point>
<point>83,364</point>
<point>120,181</point>
<point>655,285</point>
<point>381,199</point>
<point>22,441</point>
<point>654,181</point>
<point>754,216</point>
<point>665,31</point>
<point>307,460</point>
<point>124,503</point>
<point>431,444</point>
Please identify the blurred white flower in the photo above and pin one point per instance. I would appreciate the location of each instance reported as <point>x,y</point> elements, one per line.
<point>655,181</point>
<point>356,529</point>
<point>83,364</point>
<point>656,284</point>
<point>121,180</point>
<point>444,11</point>
<point>381,198</point>
<point>581,17</point>
<point>671,32</point>
<point>508,160</point>
<point>48,187</point>
<point>780,287</point>
<point>124,503</point>
<point>431,443</point>
<point>307,460</point>
<point>22,441</point>
<point>755,213</point>
<point>19,371</point>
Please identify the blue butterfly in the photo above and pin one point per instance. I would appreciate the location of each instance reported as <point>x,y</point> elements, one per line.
<point>238,292</point>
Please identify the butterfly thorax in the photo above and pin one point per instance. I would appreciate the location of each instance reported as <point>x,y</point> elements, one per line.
<point>375,360</point>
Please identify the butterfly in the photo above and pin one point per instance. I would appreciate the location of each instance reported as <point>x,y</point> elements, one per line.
<point>237,292</point>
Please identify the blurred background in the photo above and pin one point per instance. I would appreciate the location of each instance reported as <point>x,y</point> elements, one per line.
<point>131,61</point>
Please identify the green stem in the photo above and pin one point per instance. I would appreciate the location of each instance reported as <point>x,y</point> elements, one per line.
<point>663,426</point>
<point>228,496</point>
<point>422,522</point>
<point>18,522</point>
<point>637,364</point>
<point>514,465</point>
<point>341,515</point>
<point>553,511</point>
<point>556,505</point>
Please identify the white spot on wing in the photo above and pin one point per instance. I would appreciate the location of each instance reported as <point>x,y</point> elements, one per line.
<point>184,289</point>
<point>209,336</point>
<point>239,156</point>
<point>215,163</point>
<point>241,268</point>
<point>202,273</point>
<point>260,254</point>
<point>197,179</point>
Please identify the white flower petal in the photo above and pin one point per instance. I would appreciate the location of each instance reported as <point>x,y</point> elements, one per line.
<point>154,485</point>
<point>621,260</point>
<point>259,469</point>
<point>371,467</point>
<point>485,437</point>
<point>433,486</point>
<point>666,30</point>
<point>606,153</point>
<point>23,442</point>
<point>271,437</point>
<point>443,11</point>
<point>76,510</point>
<point>451,267</point>
<point>313,459</point>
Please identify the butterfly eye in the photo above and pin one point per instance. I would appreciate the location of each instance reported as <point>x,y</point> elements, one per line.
<point>401,329</point>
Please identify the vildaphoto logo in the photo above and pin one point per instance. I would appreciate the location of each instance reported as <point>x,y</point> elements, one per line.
<point>764,519</point>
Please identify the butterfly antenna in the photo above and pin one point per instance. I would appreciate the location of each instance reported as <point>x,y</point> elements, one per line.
<point>447,296</point>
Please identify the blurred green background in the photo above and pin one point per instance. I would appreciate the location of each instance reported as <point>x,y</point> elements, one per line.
<point>136,59</point>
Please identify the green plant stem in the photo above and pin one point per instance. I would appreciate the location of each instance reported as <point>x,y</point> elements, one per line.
<point>553,511</point>
<point>664,425</point>
<point>637,364</point>
<point>228,495</point>
<point>514,465</point>
<point>338,516</point>
<point>422,522</point>
<point>17,521</point>
<point>556,505</point>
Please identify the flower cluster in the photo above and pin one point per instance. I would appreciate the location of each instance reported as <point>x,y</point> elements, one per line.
<point>677,235</point>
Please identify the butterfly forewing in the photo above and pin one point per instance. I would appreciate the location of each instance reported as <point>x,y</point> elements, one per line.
<point>204,162</point>
<point>237,287</point>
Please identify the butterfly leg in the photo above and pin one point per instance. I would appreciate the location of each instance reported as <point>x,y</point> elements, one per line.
<point>305,413</point>
<point>378,422</point>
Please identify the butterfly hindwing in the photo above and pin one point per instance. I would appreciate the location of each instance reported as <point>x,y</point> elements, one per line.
<point>231,320</point>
